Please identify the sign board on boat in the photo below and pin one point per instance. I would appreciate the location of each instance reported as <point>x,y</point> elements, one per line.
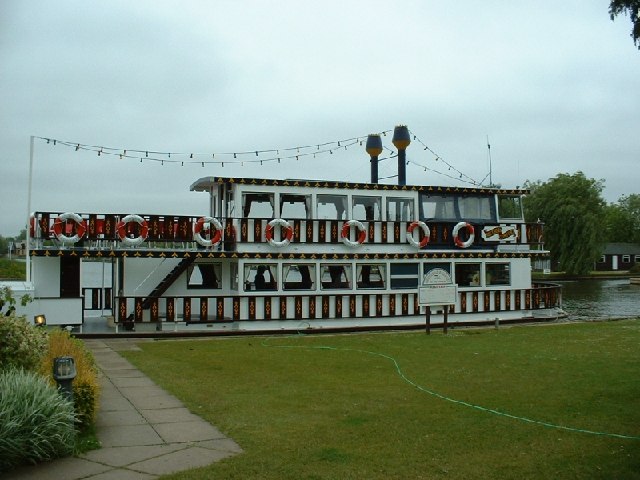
<point>437,289</point>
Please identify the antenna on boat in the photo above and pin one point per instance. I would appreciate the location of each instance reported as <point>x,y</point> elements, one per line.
<point>489,156</point>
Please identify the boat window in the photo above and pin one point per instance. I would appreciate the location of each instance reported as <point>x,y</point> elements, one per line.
<point>497,274</point>
<point>370,276</point>
<point>457,207</point>
<point>204,275</point>
<point>510,207</point>
<point>260,276</point>
<point>295,206</point>
<point>257,205</point>
<point>332,207</point>
<point>366,208</point>
<point>468,274</point>
<point>403,275</point>
<point>335,276</point>
<point>298,276</point>
<point>427,267</point>
<point>400,209</point>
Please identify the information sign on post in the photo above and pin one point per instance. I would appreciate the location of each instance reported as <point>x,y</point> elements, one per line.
<point>437,289</point>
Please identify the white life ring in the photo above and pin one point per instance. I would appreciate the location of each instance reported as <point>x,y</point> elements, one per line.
<point>425,230</point>
<point>286,235</point>
<point>204,224</point>
<point>470,232</point>
<point>61,221</point>
<point>121,229</point>
<point>346,231</point>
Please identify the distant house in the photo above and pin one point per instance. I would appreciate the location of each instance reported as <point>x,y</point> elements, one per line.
<point>619,256</point>
<point>20,248</point>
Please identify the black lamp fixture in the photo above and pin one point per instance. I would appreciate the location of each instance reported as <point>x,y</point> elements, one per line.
<point>64,371</point>
<point>40,320</point>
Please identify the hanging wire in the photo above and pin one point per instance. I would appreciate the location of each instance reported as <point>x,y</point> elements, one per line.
<point>459,175</point>
<point>297,152</point>
<point>263,156</point>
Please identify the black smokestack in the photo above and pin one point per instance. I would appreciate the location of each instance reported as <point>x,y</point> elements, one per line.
<point>401,140</point>
<point>374,148</point>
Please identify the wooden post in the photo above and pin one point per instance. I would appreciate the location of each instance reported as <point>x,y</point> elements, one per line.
<point>446,318</point>
<point>428,319</point>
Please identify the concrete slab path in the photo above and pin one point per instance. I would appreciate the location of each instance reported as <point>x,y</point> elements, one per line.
<point>145,432</point>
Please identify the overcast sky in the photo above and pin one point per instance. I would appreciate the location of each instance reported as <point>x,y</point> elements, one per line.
<point>555,86</point>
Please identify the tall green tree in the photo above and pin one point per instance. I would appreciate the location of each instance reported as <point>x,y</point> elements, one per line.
<point>623,219</point>
<point>618,223</point>
<point>572,209</point>
<point>632,7</point>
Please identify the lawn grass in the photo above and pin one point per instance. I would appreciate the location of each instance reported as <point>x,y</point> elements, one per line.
<point>303,412</point>
<point>12,270</point>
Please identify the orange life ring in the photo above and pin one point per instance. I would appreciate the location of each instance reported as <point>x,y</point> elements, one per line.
<point>346,230</point>
<point>470,232</point>
<point>286,235</point>
<point>121,229</point>
<point>425,230</point>
<point>59,227</point>
<point>204,224</point>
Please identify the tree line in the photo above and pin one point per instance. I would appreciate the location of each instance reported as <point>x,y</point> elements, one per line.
<point>578,221</point>
<point>5,241</point>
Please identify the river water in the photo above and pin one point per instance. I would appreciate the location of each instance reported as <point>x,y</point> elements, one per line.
<point>600,299</point>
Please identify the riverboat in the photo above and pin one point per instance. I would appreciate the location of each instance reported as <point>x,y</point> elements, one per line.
<point>294,254</point>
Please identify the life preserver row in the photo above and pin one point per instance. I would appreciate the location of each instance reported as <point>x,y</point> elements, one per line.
<point>207,231</point>
<point>470,234</point>
<point>60,227</point>
<point>346,233</point>
<point>286,232</point>
<point>203,234</point>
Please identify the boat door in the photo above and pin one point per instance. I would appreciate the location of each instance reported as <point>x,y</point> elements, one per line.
<point>69,277</point>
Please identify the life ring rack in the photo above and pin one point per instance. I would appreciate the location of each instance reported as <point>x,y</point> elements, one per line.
<point>204,224</point>
<point>425,231</point>
<point>286,232</point>
<point>121,229</point>
<point>346,230</point>
<point>60,223</point>
<point>470,232</point>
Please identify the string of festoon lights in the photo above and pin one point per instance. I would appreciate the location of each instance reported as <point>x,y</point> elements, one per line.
<point>257,156</point>
<point>456,175</point>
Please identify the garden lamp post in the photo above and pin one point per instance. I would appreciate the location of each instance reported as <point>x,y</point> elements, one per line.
<point>40,320</point>
<point>64,371</point>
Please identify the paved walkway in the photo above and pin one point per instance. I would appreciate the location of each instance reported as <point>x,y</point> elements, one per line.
<point>144,431</point>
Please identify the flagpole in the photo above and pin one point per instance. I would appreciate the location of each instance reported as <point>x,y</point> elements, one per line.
<point>28,236</point>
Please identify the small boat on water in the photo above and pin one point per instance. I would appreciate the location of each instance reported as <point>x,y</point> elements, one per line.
<point>287,255</point>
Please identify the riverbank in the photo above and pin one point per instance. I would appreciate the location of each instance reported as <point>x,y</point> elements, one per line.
<point>610,275</point>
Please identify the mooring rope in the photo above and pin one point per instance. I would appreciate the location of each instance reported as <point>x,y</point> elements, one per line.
<point>453,400</point>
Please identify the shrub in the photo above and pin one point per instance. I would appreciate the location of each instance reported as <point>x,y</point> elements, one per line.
<point>36,423</point>
<point>86,389</point>
<point>635,268</point>
<point>21,344</point>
